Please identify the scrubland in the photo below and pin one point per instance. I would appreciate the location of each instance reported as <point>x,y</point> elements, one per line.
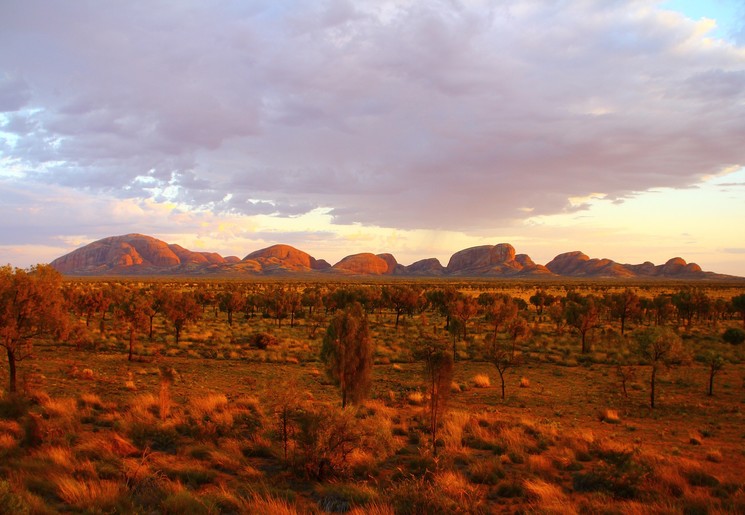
<point>218,423</point>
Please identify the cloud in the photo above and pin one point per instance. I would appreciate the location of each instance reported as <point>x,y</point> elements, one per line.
<point>431,115</point>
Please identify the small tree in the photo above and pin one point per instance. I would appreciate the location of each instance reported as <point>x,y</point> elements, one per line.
<point>716,363</point>
<point>506,357</point>
<point>738,304</point>
<point>230,301</point>
<point>348,353</point>
<point>623,306</point>
<point>625,373</point>
<point>181,308</point>
<point>500,312</point>
<point>132,313</point>
<point>463,309</point>
<point>658,346</point>
<point>31,307</point>
<point>438,372</point>
<point>582,315</point>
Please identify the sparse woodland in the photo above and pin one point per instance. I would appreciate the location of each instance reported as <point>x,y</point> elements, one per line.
<point>406,396</point>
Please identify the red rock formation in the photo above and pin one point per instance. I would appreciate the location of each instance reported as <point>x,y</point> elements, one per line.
<point>285,257</point>
<point>492,260</point>
<point>363,264</point>
<point>430,266</point>
<point>118,252</point>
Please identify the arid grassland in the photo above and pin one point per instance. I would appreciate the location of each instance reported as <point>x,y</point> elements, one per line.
<point>226,397</point>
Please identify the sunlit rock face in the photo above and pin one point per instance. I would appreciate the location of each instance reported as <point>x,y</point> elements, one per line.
<point>133,254</point>
<point>365,264</point>
<point>285,257</point>
<point>492,260</point>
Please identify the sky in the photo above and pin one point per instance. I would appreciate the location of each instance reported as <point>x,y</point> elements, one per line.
<point>418,128</point>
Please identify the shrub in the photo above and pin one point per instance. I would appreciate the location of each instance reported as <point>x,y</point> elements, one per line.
<point>485,472</point>
<point>698,477</point>
<point>183,502</point>
<point>262,340</point>
<point>157,437</point>
<point>10,502</point>
<point>734,336</point>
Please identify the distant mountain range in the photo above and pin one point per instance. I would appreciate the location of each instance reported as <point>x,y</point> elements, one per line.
<point>137,254</point>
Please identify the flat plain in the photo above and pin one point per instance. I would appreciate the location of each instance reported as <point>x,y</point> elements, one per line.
<point>224,421</point>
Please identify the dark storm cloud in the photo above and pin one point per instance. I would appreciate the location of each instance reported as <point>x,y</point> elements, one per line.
<point>417,115</point>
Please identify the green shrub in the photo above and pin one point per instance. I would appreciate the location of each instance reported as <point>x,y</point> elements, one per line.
<point>701,478</point>
<point>734,336</point>
<point>10,502</point>
<point>183,502</point>
<point>262,340</point>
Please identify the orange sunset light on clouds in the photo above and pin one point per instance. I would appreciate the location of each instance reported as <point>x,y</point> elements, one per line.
<point>416,128</point>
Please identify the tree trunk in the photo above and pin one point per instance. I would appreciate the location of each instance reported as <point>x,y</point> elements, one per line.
<point>711,381</point>
<point>131,342</point>
<point>12,371</point>
<point>651,386</point>
<point>501,377</point>
<point>584,347</point>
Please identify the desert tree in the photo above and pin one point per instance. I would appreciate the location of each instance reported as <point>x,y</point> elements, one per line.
<point>286,404</point>
<point>181,308</point>
<point>582,315</point>
<point>504,354</point>
<point>439,299</point>
<point>347,352</point>
<point>205,296</point>
<point>658,347</point>
<point>690,303</point>
<point>131,312</point>
<point>556,313</point>
<point>230,300</point>
<point>31,308</point>
<point>663,308</point>
<point>278,303</point>
<point>715,363</point>
<point>623,306</point>
<point>500,312</point>
<point>463,309</point>
<point>402,299</point>
<point>312,299</point>
<point>738,305</point>
<point>541,300</point>
<point>156,296</point>
<point>438,372</point>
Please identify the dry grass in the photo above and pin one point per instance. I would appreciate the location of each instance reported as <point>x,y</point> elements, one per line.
<point>208,405</point>
<point>451,432</point>
<point>481,381</point>
<point>548,498</point>
<point>60,456</point>
<point>90,494</point>
<point>269,505</point>
<point>610,416</point>
<point>541,465</point>
<point>373,508</point>
<point>415,398</point>
<point>7,442</point>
